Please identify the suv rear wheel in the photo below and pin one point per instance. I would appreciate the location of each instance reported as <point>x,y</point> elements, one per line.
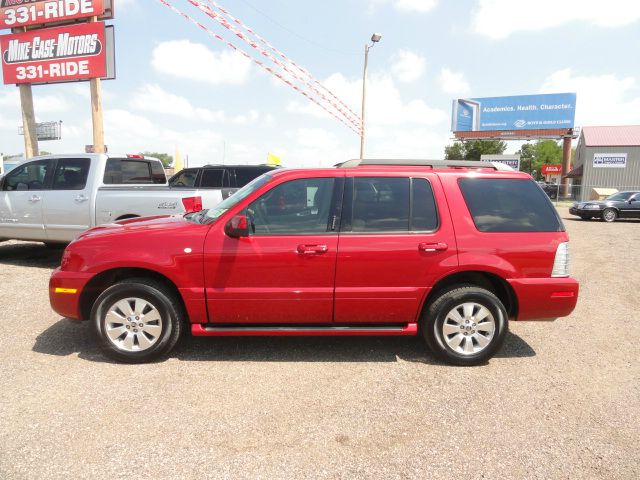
<point>137,320</point>
<point>465,325</point>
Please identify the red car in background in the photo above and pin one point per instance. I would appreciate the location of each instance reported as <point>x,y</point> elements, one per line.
<point>448,250</point>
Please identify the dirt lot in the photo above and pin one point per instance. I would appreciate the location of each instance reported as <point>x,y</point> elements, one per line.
<point>560,401</point>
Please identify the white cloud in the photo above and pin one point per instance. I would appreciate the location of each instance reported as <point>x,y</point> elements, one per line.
<point>500,18</point>
<point>453,82</point>
<point>421,6</point>
<point>152,98</point>
<point>601,99</point>
<point>250,118</point>
<point>409,66</point>
<point>41,103</point>
<point>194,61</point>
<point>385,105</point>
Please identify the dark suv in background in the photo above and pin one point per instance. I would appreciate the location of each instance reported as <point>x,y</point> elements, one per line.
<point>228,178</point>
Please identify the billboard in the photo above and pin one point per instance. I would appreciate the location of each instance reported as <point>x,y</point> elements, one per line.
<point>522,112</point>
<point>20,13</point>
<point>73,52</point>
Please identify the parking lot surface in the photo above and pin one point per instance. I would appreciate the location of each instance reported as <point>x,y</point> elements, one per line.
<point>561,400</point>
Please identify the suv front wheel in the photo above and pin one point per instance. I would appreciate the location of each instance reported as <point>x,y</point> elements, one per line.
<point>137,320</point>
<point>465,325</point>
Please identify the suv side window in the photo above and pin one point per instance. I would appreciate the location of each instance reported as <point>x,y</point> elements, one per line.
<point>424,214</point>
<point>186,178</point>
<point>390,204</point>
<point>71,174</point>
<point>245,175</point>
<point>509,205</point>
<point>296,207</point>
<point>125,170</point>
<point>211,178</point>
<point>380,204</point>
<point>30,176</point>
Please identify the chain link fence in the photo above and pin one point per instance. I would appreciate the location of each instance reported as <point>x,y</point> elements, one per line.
<point>580,193</point>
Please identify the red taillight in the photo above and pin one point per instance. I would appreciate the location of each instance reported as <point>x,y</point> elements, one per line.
<point>134,155</point>
<point>192,204</point>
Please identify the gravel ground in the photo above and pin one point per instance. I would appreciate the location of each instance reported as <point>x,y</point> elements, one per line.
<point>560,401</point>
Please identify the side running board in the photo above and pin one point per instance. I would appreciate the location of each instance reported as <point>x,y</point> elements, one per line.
<point>213,330</point>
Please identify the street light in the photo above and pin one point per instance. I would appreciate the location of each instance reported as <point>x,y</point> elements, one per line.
<point>375,38</point>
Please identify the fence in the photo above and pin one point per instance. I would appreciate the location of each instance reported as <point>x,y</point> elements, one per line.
<point>581,193</point>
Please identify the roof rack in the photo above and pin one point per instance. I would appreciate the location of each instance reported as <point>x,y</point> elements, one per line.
<point>425,163</point>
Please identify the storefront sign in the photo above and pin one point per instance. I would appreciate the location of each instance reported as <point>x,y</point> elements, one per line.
<point>551,169</point>
<point>610,160</point>
<point>20,13</point>
<point>73,52</point>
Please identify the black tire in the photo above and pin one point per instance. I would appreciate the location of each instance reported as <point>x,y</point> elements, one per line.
<point>609,215</point>
<point>157,295</point>
<point>448,300</point>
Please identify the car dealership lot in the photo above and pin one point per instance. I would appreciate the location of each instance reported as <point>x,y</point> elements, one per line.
<point>560,401</point>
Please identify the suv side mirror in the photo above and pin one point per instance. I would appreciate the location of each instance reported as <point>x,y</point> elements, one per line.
<point>237,227</point>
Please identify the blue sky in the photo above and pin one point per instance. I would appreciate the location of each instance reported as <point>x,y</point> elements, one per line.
<point>177,86</point>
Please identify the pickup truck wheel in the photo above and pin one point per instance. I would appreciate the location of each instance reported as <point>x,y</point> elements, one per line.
<point>465,325</point>
<point>137,320</point>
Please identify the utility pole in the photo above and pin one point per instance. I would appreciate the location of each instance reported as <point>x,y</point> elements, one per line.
<point>375,38</point>
<point>96,111</point>
<point>28,115</point>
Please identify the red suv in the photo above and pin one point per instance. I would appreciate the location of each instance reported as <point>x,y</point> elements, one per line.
<point>448,250</point>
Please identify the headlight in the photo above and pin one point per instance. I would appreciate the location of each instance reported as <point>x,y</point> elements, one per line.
<point>591,206</point>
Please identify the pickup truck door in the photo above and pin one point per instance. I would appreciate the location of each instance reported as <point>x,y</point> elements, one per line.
<point>284,271</point>
<point>68,205</point>
<point>22,193</point>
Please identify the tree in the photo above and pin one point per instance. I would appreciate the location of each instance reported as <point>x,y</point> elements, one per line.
<point>542,152</point>
<point>474,149</point>
<point>165,158</point>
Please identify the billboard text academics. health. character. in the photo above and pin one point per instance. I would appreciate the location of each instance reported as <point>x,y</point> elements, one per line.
<point>522,112</point>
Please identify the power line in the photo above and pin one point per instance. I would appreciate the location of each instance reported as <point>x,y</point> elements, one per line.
<point>296,34</point>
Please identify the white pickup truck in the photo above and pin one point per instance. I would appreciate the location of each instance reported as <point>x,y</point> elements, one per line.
<point>54,198</point>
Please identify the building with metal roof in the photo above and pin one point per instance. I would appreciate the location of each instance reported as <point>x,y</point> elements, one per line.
<point>608,157</point>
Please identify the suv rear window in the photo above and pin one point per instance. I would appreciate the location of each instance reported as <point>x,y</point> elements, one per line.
<point>509,205</point>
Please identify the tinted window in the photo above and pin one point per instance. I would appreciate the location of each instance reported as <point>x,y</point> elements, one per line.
<point>122,171</point>
<point>424,215</point>
<point>293,208</point>
<point>380,204</point>
<point>245,175</point>
<point>186,178</point>
<point>211,178</point>
<point>157,172</point>
<point>509,206</point>
<point>31,176</point>
<point>71,174</point>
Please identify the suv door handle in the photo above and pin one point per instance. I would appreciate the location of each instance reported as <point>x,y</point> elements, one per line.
<point>312,249</point>
<point>81,198</point>
<point>34,198</point>
<point>432,247</point>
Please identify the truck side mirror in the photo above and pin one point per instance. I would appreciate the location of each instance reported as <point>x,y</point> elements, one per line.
<point>237,227</point>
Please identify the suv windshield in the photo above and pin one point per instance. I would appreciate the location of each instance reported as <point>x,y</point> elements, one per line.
<point>248,189</point>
